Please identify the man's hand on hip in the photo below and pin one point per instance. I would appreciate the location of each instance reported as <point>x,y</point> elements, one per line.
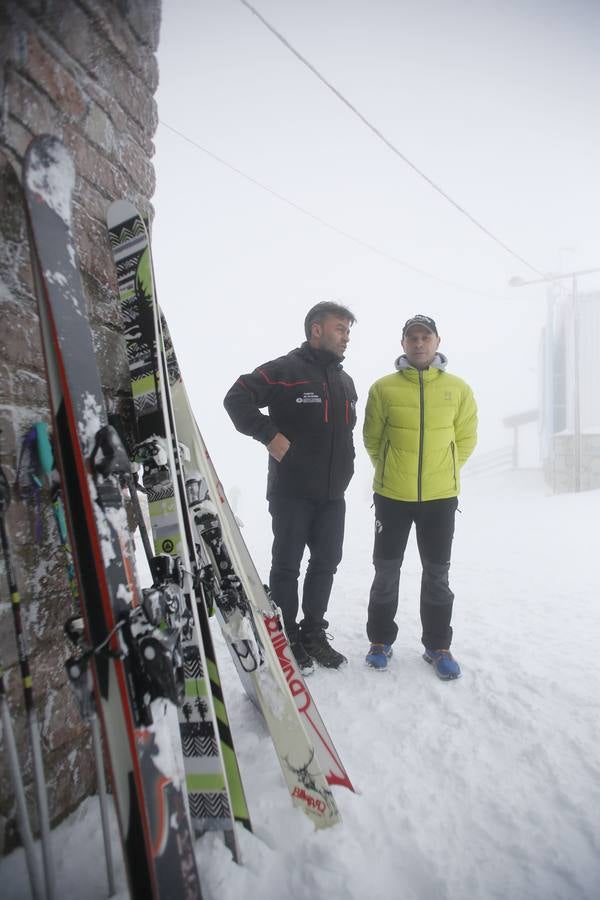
<point>279,446</point>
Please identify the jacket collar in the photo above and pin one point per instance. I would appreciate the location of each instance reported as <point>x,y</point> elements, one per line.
<point>323,358</point>
<point>439,362</point>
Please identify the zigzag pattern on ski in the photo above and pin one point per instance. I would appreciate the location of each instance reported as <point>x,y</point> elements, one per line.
<point>126,270</point>
<point>126,234</point>
<point>192,663</point>
<point>145,403</point>
<point>155,495</point>
<point>209,807</point>
<point>196,742</point>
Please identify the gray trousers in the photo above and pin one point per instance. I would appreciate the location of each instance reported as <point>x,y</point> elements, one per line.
<point>434,524</point>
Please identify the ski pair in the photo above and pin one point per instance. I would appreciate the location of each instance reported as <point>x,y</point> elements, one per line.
<point>214,786</point>
<point>251,624</point>
<point>131,654</point>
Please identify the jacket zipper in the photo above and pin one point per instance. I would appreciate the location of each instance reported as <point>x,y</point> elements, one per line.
<point>421,435</point>
<point>453,462</point>
<point>332,448</point>
<point>347,412</point>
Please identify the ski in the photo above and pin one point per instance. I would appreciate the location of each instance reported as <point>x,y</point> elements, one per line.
<point>132,656</point>
<point>248,629</point>
<point>223,586</point>
<point>267,618</point>
<point>214,784</point>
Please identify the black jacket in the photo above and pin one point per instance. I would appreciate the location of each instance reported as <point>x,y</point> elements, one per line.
<point>310,400</point>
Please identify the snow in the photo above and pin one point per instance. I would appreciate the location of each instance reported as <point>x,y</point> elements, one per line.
<point>487,788</point>
<point>90,422</point>
<point>51,175</point>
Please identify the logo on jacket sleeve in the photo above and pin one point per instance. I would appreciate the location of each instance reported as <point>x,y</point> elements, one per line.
<point>309,397</point>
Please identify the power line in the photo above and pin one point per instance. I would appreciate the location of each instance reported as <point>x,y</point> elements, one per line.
<point>371,247</point>
<point>385,140</point>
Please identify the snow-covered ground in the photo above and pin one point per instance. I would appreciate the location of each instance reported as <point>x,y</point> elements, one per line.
<point>487,788</point>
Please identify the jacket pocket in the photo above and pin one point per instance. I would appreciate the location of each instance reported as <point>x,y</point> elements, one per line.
<point>383,463</point>
<point>453,449</point>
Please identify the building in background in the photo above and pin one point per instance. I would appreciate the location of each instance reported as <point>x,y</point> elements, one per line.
<point>570,390</point>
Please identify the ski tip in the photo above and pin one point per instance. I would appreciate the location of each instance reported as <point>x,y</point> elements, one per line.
<point>49,173</point>
<point>121,211</point>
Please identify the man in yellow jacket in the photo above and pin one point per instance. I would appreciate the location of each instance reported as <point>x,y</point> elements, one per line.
<point>420,428</point>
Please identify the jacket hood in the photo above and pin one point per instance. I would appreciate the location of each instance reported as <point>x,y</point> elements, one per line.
<point>439,362</point>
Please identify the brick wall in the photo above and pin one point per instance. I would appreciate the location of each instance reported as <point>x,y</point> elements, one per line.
<point>86,72</point>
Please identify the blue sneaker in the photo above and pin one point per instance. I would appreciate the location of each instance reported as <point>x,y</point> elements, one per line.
<point>378,655</point>
<point>444,664</point>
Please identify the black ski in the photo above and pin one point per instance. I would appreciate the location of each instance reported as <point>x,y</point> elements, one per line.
<point>133,661</point>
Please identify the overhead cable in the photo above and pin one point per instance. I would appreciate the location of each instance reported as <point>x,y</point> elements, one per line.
<point>371,247</point>
<point>385,140</point>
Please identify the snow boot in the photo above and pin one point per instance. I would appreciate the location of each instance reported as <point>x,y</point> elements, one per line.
<point>444,664</point>
<point>316,643</point>
<point>305,663</point>
<point>378,655</point>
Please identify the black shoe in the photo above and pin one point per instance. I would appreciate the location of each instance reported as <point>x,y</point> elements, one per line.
<point>305,663</point>
<point>316,643</point>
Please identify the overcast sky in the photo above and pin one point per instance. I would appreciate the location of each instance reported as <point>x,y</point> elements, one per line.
<point>496,101</point>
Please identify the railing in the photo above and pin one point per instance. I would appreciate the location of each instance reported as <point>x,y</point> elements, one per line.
<point>492,461</point>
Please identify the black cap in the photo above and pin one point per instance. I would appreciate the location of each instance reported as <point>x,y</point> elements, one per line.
<point>425,321</point>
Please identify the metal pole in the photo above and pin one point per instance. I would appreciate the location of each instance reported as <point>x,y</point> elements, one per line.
<point>549,386</point>
<point>22,814</point>
<point>576,392</point>
<point>102,799</point>
<point>31,717</point>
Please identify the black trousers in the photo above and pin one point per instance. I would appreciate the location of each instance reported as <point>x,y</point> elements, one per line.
<point>434,523</point>
<point>298,524</point>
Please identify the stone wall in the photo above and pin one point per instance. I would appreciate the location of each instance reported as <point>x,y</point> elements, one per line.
<point>560,469</point>
<point>86,72</point>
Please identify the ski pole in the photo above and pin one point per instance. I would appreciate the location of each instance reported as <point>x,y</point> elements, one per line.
<point>45,459</point>
<point>17,780</point>
<point>80,678</point>
<point>32,723</point>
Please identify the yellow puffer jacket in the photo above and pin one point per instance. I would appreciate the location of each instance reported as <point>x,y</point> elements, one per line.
<point>420,428</point>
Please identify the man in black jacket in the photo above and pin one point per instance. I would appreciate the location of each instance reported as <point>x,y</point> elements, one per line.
<point>308,432</point>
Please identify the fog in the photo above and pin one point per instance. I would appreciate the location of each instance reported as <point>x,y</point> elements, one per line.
<point>496,103</point>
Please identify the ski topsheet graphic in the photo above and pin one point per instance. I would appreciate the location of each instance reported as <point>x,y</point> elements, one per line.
<point>267,618</point>
<point>133,657</point>
<point>251,625</point>
<point>215,791</point>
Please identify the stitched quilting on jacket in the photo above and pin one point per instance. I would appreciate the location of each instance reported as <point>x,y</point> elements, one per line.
<point>312,401</point>
<point>420,428</point>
